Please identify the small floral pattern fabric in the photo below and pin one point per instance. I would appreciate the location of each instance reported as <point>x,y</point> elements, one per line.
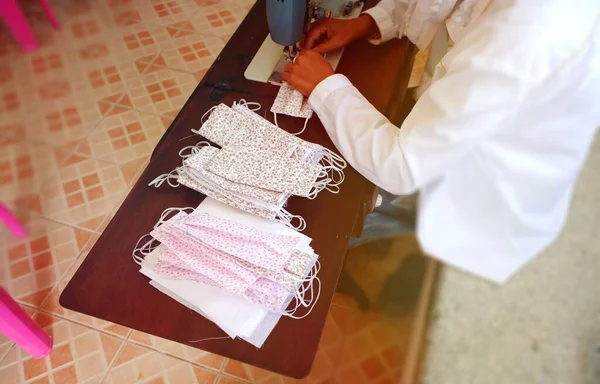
<point>265,267</point>
<point>220,126</point>
<point>261,169</point>
<point>265,249</point>
<point>273,138</point>
<point>215,264</point>
<point>291,102</point>
<point>199,161</point>
<point>189,179</point>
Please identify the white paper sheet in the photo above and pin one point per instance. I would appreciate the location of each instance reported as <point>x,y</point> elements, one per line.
<point>229,311</point>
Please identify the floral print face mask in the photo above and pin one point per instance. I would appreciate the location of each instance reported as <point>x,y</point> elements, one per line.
<point>260,169</point>
<point>266,268</point>
<point>291,102</point>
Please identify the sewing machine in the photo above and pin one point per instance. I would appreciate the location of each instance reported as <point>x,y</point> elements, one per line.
<point>288,21</point>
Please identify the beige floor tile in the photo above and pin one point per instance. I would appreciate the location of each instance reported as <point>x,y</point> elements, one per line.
<point>224,379</point>
<point>80,355</point>
<point>180,29</point>
<point>124,138</point>
<point>160,92</point>
<point>193,355</point>
<point>326,360</point>
<point>85,191</point>
<point>137,364</point>
<point>166,12</point>
<point>136,41</point>
<point>32,266</point>
<point>193,53</point>
<point>219,18</point>
<point>24,166</point>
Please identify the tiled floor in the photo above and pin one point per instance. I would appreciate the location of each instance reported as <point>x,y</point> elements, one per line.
<point>78,120</point>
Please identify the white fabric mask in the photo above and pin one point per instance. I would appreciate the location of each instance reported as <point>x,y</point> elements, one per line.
<point>261,169</point>
<point>202,158</point>
<point>291,102</point>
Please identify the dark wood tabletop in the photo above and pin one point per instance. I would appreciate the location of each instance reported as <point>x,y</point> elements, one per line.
<point>108,284</point>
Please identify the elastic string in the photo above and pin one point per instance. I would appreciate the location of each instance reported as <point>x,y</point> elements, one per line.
<point>194,149</point>
<point>314,302</point>
<point>168,177</point>
<point>206,113</point>
<point>138,259</point>
<point>304,128</point>
<point>163,216</point>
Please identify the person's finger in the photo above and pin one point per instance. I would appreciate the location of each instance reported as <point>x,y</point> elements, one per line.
<point>311,52</point>
<point>286,76</point>
<point>327,46</point>
<point>314,35</point>
<point>288,67</point>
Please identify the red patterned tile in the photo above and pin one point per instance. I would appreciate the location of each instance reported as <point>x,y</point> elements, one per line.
<point>166,11</point>
<point>160,91</point>
<point>190,354</point>
<point>180,29</point>
<point>80,355</point>
<point>124,138</point>
<point>135,363</point>
<point>24,167</point>
<point>219,18</point>
<point>68,199</point>
<point>94,51</point>
<point>193,53</point>
<point>31,267</point>
<point>139,40</point>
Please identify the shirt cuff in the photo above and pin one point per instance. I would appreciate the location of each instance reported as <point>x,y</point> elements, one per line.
<point>387,30</point>
<point>325,88</point>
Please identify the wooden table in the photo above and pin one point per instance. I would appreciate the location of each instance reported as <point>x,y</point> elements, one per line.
<point>108,284</point>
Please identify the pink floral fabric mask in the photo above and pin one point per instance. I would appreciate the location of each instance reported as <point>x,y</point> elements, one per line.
<point>214,264</point>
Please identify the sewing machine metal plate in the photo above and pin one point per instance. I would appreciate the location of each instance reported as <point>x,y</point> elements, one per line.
<point>269,62</point>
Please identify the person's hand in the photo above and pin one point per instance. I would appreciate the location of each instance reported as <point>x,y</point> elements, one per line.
<point>331,34</point>
<point>307,71</point>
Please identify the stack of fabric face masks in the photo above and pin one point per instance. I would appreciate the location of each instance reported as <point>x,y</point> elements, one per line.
<point>258,167</point>
<point>238,270</point>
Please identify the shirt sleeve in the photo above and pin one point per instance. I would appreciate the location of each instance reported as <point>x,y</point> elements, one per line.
<point>389,16</point>
<point>455,114</point>
<point>416,19</point>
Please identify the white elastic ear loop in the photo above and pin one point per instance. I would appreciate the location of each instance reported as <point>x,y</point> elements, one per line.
<point>275,118</point>
<point>168,177</point>
<point>248,105</point>
<point>287,218</point>
<point>304,128</point>
<point>335,159</point>
<point>314,302</point>
<point>144,250</point>
<point>197,131</point>
<point>206,113</point>
<point>164,215</point>
<point>307,285</point>
<point>194,149</point>
<point>317,187</point>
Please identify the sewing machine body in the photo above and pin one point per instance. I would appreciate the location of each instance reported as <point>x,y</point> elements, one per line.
<point>288,21</point>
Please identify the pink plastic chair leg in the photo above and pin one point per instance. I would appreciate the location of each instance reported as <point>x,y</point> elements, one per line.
<point>16,21</point>
<point>50,13</point>
<point>11,221</point>
<point>20,328</point>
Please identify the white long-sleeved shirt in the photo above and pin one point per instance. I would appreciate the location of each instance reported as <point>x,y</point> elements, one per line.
<point>496,143</point>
